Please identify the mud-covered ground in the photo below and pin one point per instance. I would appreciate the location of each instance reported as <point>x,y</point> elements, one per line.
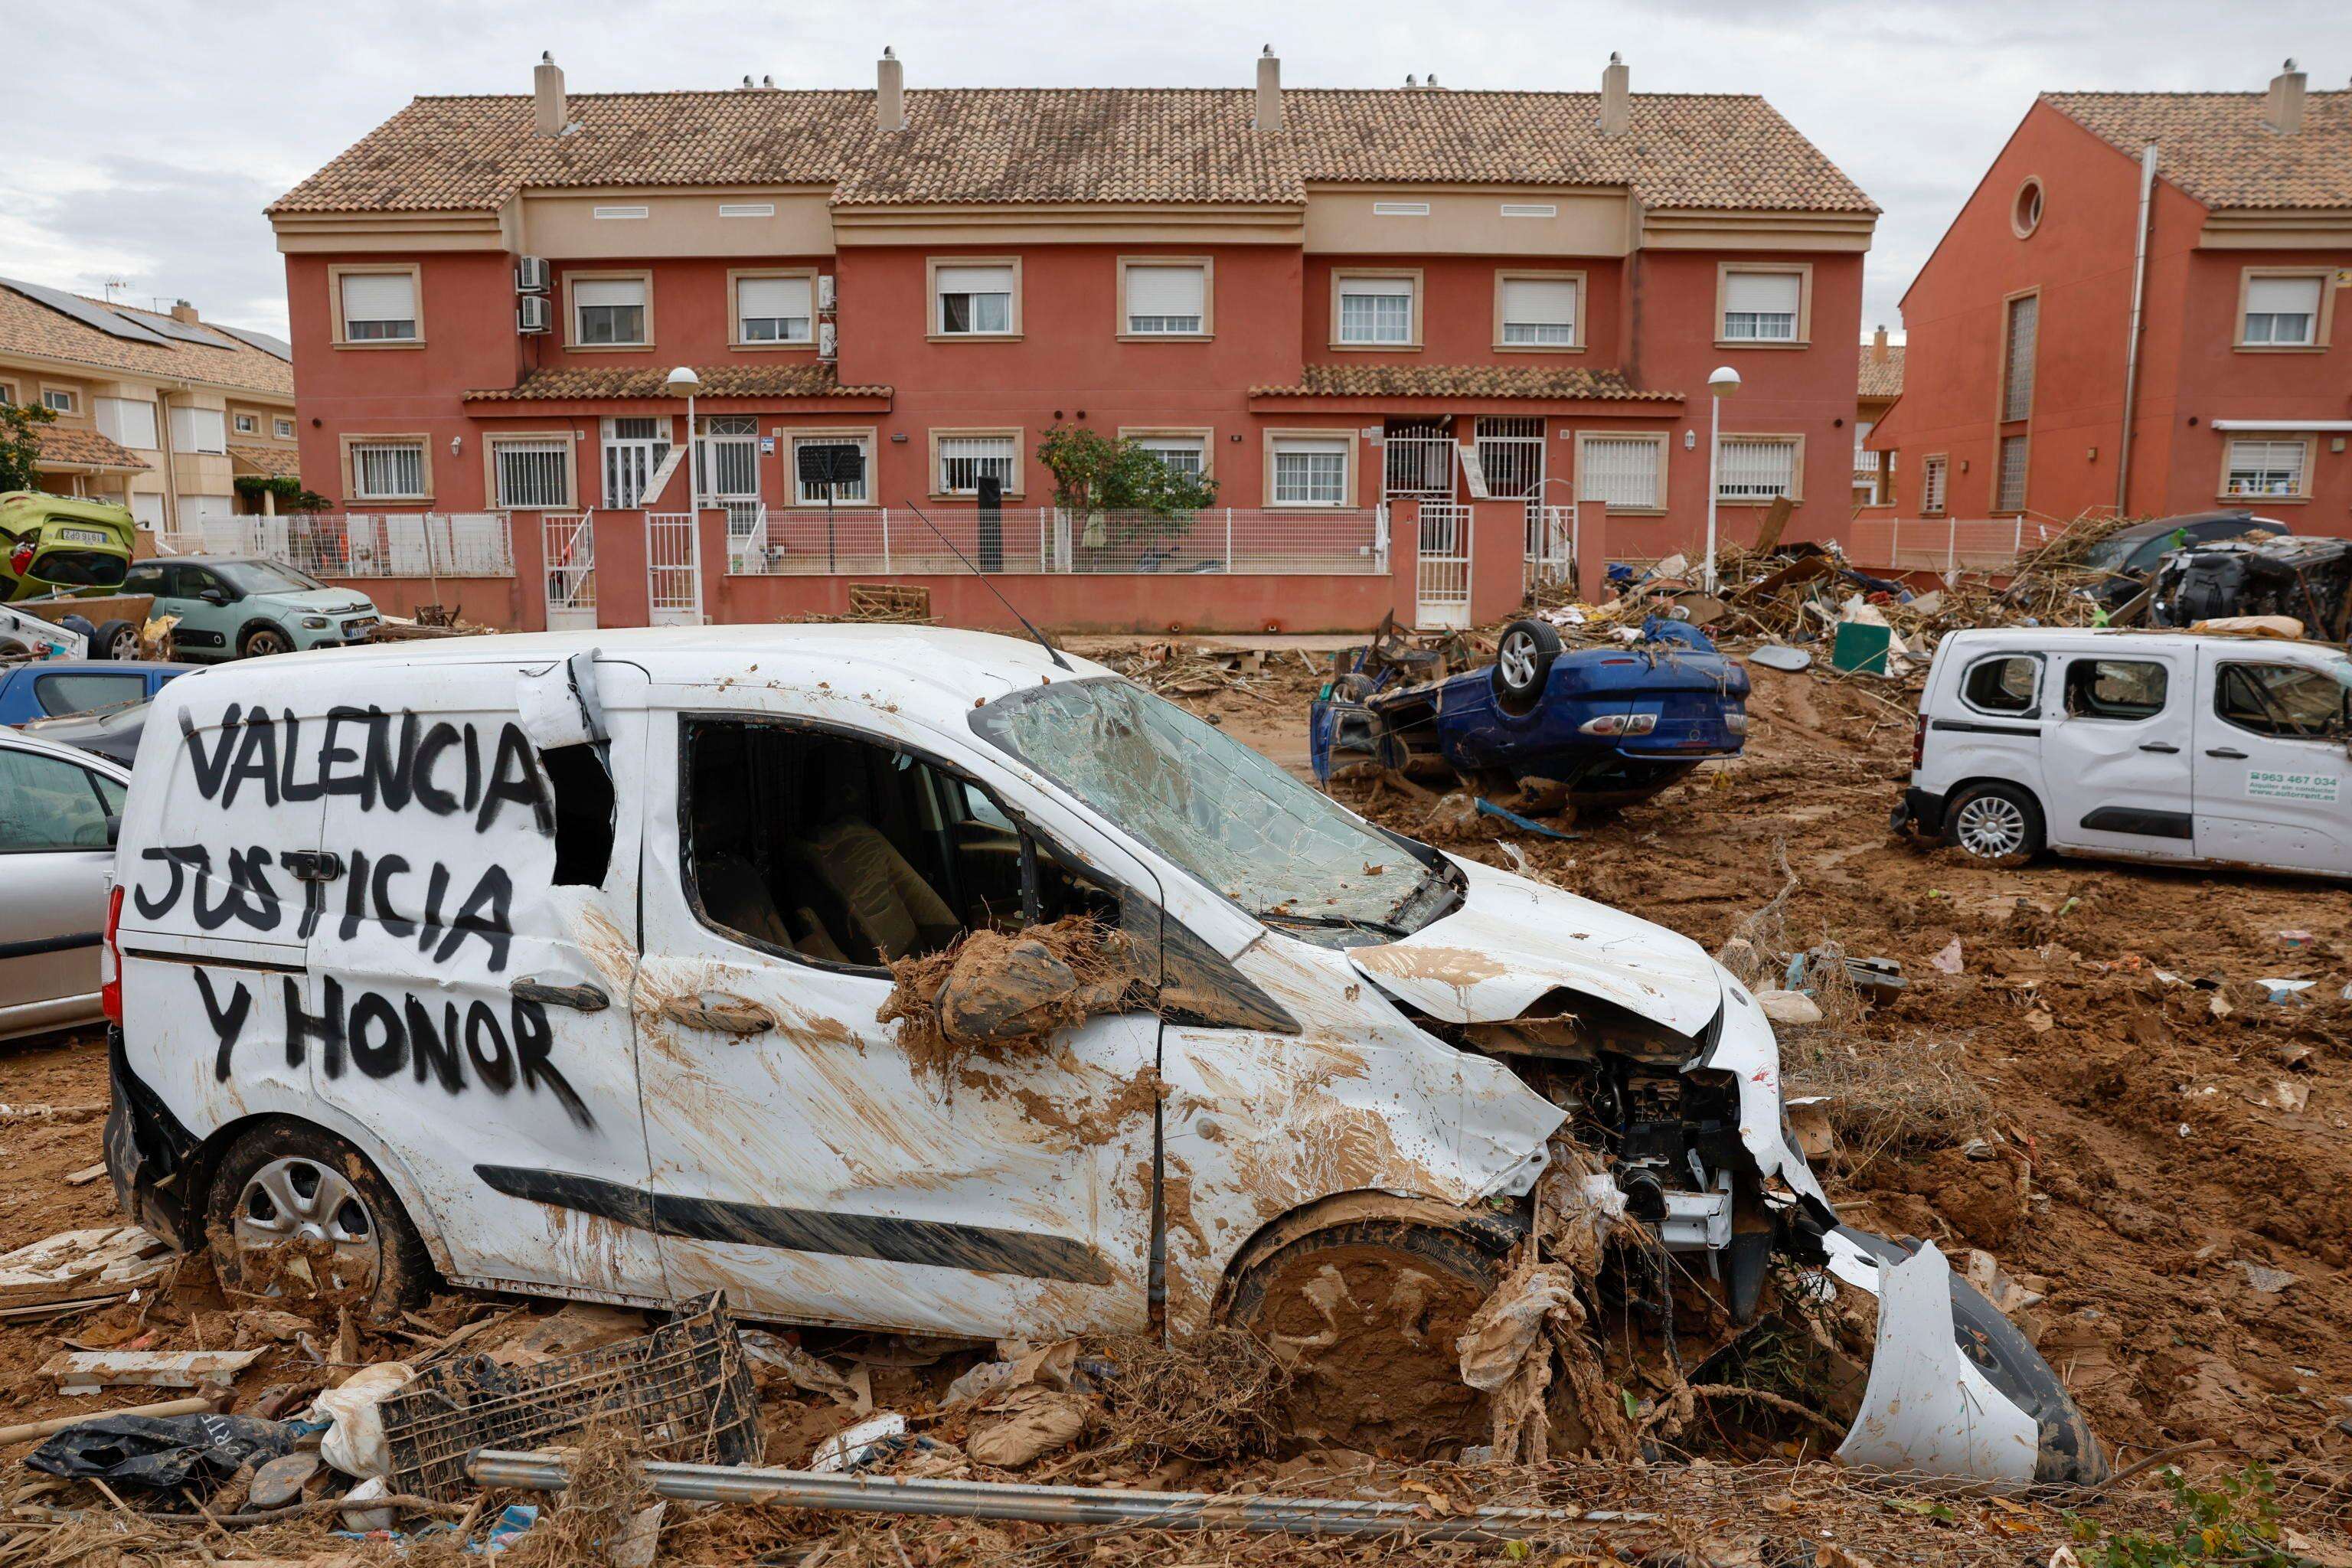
<point>2099,1098</point>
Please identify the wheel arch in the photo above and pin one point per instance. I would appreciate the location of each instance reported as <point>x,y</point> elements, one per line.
<point>1494,1231</point>
<point>235,648</point>
<point>215,1145</point>
<point>1959,787</point>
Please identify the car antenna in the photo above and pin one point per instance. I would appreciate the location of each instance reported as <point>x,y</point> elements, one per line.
<point>1051,651</point>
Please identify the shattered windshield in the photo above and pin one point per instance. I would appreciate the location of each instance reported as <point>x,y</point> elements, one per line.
<point>1211,805</point>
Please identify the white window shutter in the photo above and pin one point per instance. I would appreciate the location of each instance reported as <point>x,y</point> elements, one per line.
<point>975,279</point>
<point>609,291</point>
<point>1376,286</point>
<point>1762,292</point>
<point>765,297</point>
<point>1164,292</point>
<point>1539,301</point>
<point>2283,295</point>
<point>379,296</point>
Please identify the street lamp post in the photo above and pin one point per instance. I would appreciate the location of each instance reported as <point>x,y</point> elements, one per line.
<point>683,379</point>
<point>1722,385</point>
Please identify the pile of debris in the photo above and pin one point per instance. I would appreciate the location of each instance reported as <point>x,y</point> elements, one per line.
<point>878,604</point>
<point>430,621</point>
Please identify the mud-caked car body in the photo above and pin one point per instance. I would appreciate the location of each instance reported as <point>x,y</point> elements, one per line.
<point>556,967</point>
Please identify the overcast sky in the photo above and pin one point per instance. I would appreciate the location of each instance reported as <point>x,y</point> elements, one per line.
<point>148,136</point>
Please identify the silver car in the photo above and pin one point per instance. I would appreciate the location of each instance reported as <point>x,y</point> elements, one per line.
<point>58,811</point>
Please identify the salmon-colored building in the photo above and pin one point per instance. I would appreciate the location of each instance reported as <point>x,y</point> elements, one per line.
<point>1420,339</point>
<point>2139,312</point>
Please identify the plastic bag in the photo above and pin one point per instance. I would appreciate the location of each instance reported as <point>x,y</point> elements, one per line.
<point>162,1453</point>
<point>354,1443</point>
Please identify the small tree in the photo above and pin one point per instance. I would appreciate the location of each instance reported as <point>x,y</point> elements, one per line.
<point>20,446</point>
<point>291,495</point>
<point>1131,499</point>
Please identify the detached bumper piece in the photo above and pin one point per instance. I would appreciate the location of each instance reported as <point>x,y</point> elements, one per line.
<point>150,1157</point>
<point>1921,811</point>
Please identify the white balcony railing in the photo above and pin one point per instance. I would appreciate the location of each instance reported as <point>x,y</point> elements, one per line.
<point>361,544</point>
<point>876,541</point>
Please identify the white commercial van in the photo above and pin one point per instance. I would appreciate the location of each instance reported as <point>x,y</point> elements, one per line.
<point>552,963</point>
<point>2139,745</point>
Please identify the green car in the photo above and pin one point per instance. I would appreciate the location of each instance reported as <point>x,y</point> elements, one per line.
<point>240,606</point>
<point>59,544</point>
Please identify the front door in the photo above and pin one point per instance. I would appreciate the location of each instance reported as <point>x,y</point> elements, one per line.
<point>2117,755</point>
<point>2274,783</point>
<point>1441,571</point>
<point>802,1156</point>
<point>634,451</point>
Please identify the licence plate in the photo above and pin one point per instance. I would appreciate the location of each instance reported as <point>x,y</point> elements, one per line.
<point>353,630</point>
<point>85,536</point>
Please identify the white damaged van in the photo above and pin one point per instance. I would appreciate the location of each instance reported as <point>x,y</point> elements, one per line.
<point>551,964</point>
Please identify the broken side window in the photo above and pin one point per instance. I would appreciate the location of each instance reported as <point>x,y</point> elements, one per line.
<point>582,786</point>
<point>2004,683</point>
<point>2286,701</point>
<point>2124,689</point>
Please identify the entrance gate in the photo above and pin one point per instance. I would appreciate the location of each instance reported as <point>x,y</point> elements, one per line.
<point>1441,573</point>
<point>570,543</point>
<point>673,569</point>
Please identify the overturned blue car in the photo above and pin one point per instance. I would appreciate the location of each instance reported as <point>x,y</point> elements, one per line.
<point>1591,727</point>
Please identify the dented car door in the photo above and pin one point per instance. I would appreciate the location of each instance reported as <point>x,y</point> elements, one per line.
<point>802,1157</point>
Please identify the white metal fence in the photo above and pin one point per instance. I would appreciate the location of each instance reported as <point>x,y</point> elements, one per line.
<point>361,544</point>
<point>876,541</point>
<point>1945,544</point>
<point>1442,568</point>
<point>1551,546</point>
<point>673,569</point>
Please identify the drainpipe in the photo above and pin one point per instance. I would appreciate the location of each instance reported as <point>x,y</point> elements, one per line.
<point>2131,344</point>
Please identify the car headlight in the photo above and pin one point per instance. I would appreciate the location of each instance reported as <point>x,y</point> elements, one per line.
<point>1736,722</point>
<point>1620,724</point>
<point>315,623</point>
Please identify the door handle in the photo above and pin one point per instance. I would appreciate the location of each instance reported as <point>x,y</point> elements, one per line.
<point>723,1014</point>
<point>2159,746</point>
<point>582,997</point>
<point>2230,752</point>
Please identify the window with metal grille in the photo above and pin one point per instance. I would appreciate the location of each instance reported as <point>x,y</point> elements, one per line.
<point>773,310</point>
<point>2017,358</point>
<point>1511,453</point>
<point>608,311</point>
<point>2282,311</point>
<point>1310,473</point>
<point>1755,468</point>
<point>1166,301</point>
<point>1376,309</point>
<point>637,429</point>
<point>2265,468</point>
<point>1186,454</point>
<point>2008,491</point>
<point>1931,485</point>
<point>1621,471</point>
<point>831,468</point>
<point>1539,310</point>
<point>726,458</point>
<point>387,470</point>
<point>1762,307</point>
<point>379,307</point>
<point>974,300</point>
<point>533,474</point>
<point>965,461</point>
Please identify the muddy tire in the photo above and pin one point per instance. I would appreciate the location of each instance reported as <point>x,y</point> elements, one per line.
<point>1365,1314</point>
<point>1994,825</point>
<point>115,639</point>
<point>261,641</point>
<point>285,1193</point>
<point>1523,661</point>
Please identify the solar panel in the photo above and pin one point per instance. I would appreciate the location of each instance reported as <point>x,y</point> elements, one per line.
<point>89,313</point>
<point>262,340</point>
<point>203,336</point>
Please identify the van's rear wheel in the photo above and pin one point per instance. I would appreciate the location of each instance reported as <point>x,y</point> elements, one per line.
<point>1366,1314</point>
<point>1995,823</point>
<point>298,1213</point>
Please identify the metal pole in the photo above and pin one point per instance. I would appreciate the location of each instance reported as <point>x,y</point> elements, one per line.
<point>545,1471</point>
<point>2131,343</point>
<point>1714,447</point>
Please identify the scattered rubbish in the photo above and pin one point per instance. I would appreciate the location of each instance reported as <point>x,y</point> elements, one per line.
<point>161,1453</point>
<point>1789,1006</point>
<point>1925,1407</point>
<point>848,1450</point>
<point>353,1411</point>
<point>1861,647</point>
<point>1029,1423</point>
<point>282,1481</point>
<point>87,1174</point>
<point>86,1371</point>
<point>1781,656</point>
<point>80,1263</point>
<point>2262,1277</point>
<point>25,1431</point>
<point>1488,809</point>
<point>367,1520</point>
<point>1946,959</point>
<point>806,1372</point>
<point>2293,939</point>
<point>998,989</point>
<point>2283,992</point>
<point>1052,1366</point>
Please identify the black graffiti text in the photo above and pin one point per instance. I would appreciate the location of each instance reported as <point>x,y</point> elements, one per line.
<point>384,761</point>
<point>381,888</point>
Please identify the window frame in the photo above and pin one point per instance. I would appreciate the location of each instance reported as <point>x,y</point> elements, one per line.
<point>2000,415</point>
<point>155,417</point>
<point>1418,298</point>
<point>1144,433</point>
<point>2308,441</point>
<point>794,436</point>
<point>736,277</point>
<point>2034,186</point>
<point>43,681</point>
<point>1122,327</point>
<point>491,492</point>
<point>935,319</point>
<point>243,424</point>
<point>338,323</point>
<point>350,440</point>
<point>8,395</point>
<point>938,478</point>
<point>1941,462</point>
<point>2091,662</point>
<point>571,343</point>
<point>1507,275</point>
<point>1350,471</point>
<point>2032,711</point>
<point>1661,439</point>
<point>1796,444</point>
<point>281,426</point>
<point>2323,319</point>
<point>72,395</point>
<point>90,778</point>
<point>1802,270</point>
<point>2221,671</point>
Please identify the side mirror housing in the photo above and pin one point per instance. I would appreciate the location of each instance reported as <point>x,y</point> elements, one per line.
<point>212,596</point>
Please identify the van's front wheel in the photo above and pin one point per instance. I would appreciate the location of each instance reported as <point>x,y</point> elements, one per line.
<point>1995,823</point>
<point>295,1212</point>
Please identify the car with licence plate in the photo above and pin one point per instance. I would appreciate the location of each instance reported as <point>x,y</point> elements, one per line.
<point>245,606</point>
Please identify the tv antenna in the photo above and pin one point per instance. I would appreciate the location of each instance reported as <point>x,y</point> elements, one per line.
<point>1051,651</point>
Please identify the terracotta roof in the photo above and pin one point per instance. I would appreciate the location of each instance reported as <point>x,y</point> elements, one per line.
<point>2214,145</point>
<point>1881,378</point>
<point>270,462</point>
<point>1090,144</point>
<point>28,326</point>
<point>1464,381</point>
<point>65,444</point>
<point>718,381</point>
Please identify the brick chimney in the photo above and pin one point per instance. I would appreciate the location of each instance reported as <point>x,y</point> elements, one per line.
<point>1616,97</point>
<point>1269,91</point>
<point>547,92</point>
<point>2282,110</point>
<point>889,93</point>
<point>1878,346</point>
<point>184,311</point>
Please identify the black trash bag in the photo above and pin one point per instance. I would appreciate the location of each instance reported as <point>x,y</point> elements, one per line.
<point>162,1453</point>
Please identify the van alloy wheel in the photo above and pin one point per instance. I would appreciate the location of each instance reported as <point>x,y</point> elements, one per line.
<point>1991,826</point>
<point>300,1201</point>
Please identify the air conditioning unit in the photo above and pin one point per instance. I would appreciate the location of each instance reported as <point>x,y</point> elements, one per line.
<point>828,341</point>
<point>531,314</point>
<point>532,275</point>
<point>824,291</point>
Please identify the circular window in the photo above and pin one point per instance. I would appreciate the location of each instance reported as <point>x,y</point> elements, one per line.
<point>2026,215</point>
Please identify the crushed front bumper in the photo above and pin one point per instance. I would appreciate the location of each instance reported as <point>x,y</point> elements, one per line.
<point>1920,811</point>
<point>150,1157</point>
